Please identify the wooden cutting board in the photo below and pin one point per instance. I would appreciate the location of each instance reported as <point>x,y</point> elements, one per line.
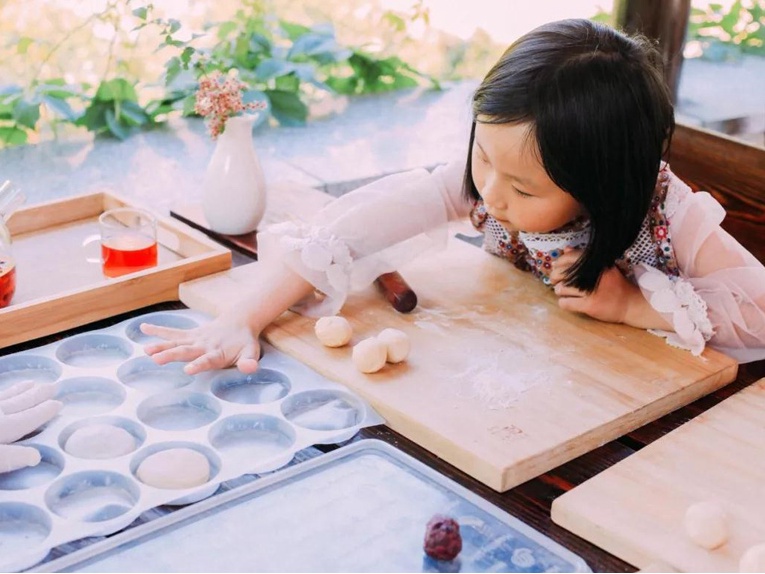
<point>500,382</point>
<point>635,509</point>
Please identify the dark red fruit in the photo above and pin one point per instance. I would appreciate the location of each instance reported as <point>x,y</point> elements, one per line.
<point>442,538</point>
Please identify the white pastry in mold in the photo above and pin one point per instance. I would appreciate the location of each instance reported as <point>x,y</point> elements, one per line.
<point>174,468</point>
<point>98,441</point>
<point>753,560</point>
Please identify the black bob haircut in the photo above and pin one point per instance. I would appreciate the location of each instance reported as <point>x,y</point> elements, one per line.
<point>601,117</point>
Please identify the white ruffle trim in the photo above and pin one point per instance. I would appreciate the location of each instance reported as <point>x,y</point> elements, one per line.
<point>679,303</point>
<point>319,256</point>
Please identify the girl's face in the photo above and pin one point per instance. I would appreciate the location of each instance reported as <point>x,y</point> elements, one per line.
<point>515,188</point>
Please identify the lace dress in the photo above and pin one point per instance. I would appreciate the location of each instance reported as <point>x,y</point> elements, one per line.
<point>702,281</point>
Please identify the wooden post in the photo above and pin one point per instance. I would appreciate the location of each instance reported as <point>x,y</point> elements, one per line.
<point>664,20</point>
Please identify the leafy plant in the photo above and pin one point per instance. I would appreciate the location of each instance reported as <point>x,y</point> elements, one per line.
<point>285,65</point>
<point>725,35</point>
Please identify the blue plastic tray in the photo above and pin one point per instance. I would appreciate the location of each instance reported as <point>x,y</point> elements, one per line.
<point>361,508</point>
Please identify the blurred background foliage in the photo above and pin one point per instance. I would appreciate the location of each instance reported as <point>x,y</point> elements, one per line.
<point>114,67</point>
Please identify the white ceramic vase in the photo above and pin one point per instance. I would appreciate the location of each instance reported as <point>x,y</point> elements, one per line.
<point>234,190</point>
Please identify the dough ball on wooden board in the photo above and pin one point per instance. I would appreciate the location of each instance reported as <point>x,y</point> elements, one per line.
<point>397,343</point>
<point>333,331</point>
<point>706,524</point>
<point>753,560</point>
<point>369,355</point>
<point>99,441</point>
<point>174,468</point>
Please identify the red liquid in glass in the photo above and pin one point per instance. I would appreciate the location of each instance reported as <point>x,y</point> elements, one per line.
<point>7,282</point>
<point>127,254</point>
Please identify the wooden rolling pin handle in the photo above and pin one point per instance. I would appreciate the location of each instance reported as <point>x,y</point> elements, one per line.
<point>397,292</point>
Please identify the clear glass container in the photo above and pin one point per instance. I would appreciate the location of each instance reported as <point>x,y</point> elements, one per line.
<point>10,199</point>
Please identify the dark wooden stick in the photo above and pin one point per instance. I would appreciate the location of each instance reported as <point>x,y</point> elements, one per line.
<point>397,292</point>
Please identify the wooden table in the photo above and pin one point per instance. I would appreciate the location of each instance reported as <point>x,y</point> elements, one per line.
<point>531,501</point>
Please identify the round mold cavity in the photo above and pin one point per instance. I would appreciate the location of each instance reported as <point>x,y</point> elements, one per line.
<point>253,437</point>
<point>212,458</point>
<point>20,368</point>
<point>133,330</point>
<point>93,350</point>
<point>143,374</point>
<point>50,466</point>
<point>92,496</point>
<point>22,526</point>
<point>136,431</point>
<point>88,396</point>
<point>178,411</point>
<point>264,386</point>
<point>323,410</point>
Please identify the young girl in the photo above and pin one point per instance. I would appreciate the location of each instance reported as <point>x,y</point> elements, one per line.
<point>565,178</point>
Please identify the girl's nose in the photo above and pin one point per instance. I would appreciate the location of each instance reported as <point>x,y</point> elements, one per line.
<point>491,196</point>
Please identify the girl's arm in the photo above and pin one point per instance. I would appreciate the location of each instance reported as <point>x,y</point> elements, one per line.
<point>354,239</point>
<point>720,296</point>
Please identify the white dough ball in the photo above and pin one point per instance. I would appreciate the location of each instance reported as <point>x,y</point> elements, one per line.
<point>706,523</point>
<point>398,344</point>
<point>174,468</point>
<point>369,355</point>
<point>333,331</point>
<point>98,441</point>
<point>753,559</point>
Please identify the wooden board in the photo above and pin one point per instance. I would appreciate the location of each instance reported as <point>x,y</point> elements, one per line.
<point>60,284</point>
<point>635,509</point>
<point>500,382</point>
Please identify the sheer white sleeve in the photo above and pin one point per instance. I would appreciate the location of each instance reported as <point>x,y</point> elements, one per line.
<point>370,231</point>
<point>719,297</point>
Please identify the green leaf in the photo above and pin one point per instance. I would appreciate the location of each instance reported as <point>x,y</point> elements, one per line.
<point>58,88</point>
<point>132,114</point>
<point>293,30</point>
<point>225,29</point>
<point>172,69</point>
<point>288,83</point>
<point>272,68</point>
<point>93,119</point>
<point>116,90</point>
<point>13,135</point>
<point>115,127</point>
<point>23,44</point>
<point>310,44</point>
<point>26,113</point>
<point>141,12</point>
<point>260,44</point>
<point>60,107</point>
<point>188,51</point>
<point>174,25</point>
<point>287,107</point>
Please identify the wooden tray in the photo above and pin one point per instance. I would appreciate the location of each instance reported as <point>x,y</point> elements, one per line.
<point>635,509</point>
<point>60,284</point>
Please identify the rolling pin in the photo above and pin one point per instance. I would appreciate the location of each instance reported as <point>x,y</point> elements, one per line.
<point>397,291</point>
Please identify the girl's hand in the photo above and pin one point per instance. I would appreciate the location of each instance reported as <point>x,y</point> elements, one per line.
<point>216,345</point>
<point>611,299</point>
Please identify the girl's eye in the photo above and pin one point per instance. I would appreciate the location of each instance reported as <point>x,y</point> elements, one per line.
<point>521,193</point>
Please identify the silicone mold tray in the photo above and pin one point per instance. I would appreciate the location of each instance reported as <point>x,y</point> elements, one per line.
<point>361,508</point>
<point>240,423</point>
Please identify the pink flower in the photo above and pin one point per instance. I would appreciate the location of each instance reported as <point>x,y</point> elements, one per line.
<point>218,98</point>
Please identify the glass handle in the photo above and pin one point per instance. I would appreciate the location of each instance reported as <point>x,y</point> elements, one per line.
<point>11,198</point>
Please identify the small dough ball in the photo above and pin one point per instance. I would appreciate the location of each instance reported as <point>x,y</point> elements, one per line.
<point>174,468</point>
<point>333,331</point>
<point>753,559</point>
<point>369,355</point>
<point>706,523</point>
<point>99,441</point>
<point>397,343</point>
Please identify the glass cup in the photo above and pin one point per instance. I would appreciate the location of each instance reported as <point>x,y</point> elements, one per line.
<point>128,241</point>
